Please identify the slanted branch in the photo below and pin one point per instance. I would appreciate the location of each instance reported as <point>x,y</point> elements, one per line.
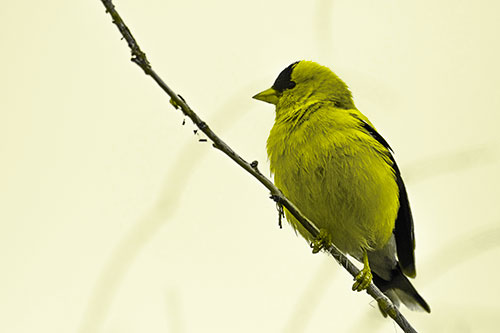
<point>178,102</point>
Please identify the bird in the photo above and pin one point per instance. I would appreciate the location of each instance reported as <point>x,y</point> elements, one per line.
<point>331,162</point>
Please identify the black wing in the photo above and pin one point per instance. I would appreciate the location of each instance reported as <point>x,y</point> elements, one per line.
<point>403,230</point>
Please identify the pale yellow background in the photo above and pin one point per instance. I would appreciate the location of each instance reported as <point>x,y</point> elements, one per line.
<point>114,218</point>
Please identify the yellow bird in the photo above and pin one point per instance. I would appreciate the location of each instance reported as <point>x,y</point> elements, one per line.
<point>329,160</point>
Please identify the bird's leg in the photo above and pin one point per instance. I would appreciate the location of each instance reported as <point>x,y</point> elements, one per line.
<point>322,241</point>
<point>364,277</point>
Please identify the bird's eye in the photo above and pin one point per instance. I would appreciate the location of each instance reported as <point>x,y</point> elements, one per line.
<point>291,84</point>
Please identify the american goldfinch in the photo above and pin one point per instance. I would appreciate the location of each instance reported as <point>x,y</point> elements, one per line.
<point>330,161</point>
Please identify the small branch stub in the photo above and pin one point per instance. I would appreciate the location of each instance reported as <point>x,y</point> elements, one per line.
<point>279,208</point>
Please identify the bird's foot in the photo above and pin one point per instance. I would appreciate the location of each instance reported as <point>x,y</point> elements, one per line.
<point>364,277</point>
<point>322,241</point>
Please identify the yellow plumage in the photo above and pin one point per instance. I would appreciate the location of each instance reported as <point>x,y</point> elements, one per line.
<point>327,165</point>
<point>328,159</point>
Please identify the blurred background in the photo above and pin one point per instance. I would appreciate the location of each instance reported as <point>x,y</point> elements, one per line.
<point>115,218</point>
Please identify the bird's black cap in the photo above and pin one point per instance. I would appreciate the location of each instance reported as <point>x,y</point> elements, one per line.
<point>284,80</point>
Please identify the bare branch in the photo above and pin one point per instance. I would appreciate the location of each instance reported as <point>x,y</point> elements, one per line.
<point>177,101</point>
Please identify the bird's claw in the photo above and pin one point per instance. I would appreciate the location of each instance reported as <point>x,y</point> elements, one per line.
<point>363,279</point>
<point>322,241</point>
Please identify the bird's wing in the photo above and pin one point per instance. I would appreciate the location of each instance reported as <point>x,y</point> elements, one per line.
<point>403,230</point>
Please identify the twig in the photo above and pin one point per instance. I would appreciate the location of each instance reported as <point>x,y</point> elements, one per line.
<point>140,59</point>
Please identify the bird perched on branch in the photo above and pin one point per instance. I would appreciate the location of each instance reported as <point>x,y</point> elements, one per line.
<point>330,161</point>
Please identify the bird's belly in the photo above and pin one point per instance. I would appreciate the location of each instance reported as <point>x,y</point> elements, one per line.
<point>354,196</point>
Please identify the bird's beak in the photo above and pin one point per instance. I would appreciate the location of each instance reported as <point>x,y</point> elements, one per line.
<point>269,96</point>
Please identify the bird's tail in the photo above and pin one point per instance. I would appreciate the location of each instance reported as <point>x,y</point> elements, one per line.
<point>400,290</point>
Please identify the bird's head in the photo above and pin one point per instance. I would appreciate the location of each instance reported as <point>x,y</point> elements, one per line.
<point>305,81</point>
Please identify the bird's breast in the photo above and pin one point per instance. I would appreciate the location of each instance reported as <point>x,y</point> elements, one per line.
<point>336,179</point>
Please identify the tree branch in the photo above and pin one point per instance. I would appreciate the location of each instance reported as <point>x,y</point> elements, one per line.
<point>140,59</point>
